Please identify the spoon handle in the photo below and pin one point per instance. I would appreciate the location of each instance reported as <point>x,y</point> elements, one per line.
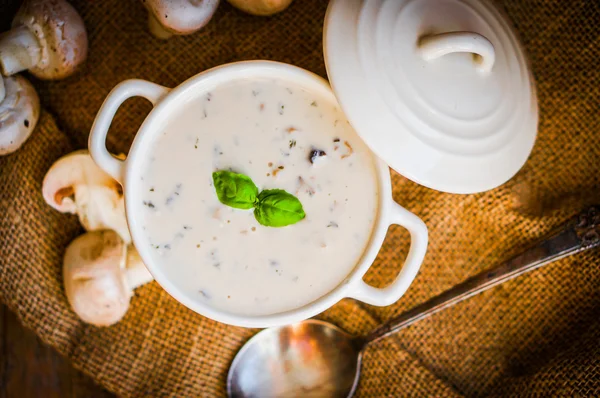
<point>582,232</point>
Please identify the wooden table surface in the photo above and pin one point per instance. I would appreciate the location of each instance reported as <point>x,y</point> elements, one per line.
<point>29,368</point>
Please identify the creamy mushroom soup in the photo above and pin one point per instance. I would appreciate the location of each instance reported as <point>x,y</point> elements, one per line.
<point>282,137</point>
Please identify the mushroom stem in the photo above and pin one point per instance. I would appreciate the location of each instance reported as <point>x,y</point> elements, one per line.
<point>2,89</point>
<point>75,184</point>
<point>136,272</point>
<point>19,50</point>
<point>157,29</point>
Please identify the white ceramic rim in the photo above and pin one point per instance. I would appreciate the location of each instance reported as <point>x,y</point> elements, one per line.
<point>389,212</point>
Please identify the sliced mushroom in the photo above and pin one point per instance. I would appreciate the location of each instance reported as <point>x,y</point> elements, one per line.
<point>19,112</point>
<point>75,184</point>
<point>100,273</point>
<point>179,17</point>
<point>48,38</point>
<point>261,7</point>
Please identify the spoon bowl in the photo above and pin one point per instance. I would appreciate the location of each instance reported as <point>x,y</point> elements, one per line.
<point>307,359</point>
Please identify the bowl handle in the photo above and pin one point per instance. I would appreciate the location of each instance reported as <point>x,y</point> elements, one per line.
<point>418,246</point>
<point>97,141</point>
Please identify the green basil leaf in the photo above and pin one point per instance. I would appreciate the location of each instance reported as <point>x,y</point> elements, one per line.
<point>235,190</point>
<point>277,208</point>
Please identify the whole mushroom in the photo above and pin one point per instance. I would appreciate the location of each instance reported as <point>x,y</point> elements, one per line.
<point>19,112</point>
<point>179,17</point>
<point>75,184</point>
<point>100,273</point>
<point>261,7</point>
<point>48,37</point>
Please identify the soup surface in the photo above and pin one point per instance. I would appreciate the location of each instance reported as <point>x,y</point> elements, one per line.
<point>283,137</point>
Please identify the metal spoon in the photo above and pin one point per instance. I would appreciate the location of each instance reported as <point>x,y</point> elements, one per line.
<point>317,359</point>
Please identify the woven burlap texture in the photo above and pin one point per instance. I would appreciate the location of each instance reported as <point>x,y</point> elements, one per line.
<point>538,335</point>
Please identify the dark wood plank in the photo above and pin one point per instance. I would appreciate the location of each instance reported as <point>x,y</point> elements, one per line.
<point>82,386</point>
<point>8,8</point>
<point>28,368</point>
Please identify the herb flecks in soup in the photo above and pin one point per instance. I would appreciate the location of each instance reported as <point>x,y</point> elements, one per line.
<point>284,138</point>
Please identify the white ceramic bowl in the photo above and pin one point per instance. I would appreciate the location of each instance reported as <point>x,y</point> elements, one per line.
<point>165,102</point>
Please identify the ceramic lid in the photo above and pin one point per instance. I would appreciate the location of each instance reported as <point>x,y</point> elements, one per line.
<point>439,89</point>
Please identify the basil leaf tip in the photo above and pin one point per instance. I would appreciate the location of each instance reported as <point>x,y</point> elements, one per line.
<point>272,207</point>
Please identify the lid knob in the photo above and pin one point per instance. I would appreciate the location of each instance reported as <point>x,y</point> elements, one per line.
<point>435,46</point>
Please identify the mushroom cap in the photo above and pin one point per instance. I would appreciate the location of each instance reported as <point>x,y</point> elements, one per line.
<point>94,277</point>
<point>182,17</point>
<point>61,34</point>
<point>19,113</point>
<point>261,7</point>
<point>75,184</point>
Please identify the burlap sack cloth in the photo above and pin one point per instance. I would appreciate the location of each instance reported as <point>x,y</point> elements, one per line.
<point>537,335</point>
